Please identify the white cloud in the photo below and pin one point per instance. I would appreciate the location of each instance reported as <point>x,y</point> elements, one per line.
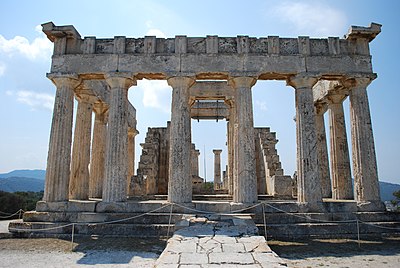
<point>155,32</point>
<point>35,100</point>
<point>156,94</point>
<point>311,18</point>
<point>2,68</point>
<point>40,48</point>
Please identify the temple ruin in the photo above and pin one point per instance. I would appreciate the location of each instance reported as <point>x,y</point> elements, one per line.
<point>211,78</point>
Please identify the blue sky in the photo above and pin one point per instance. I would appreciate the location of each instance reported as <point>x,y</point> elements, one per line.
<point>26,95</point>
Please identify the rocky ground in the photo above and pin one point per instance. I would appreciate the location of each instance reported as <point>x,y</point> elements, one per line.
<point>339,252</point>
<point>133,252</point>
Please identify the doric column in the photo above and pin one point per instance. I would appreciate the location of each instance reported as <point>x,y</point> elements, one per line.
<point>59,155</point>
<point>79,178</point>
<point>308,181</point>
<point>230,152</point>
<point>365,171</point>
<point>97,169</point>
<point>131,156</point>
<point>217,169</point>
<point>323,159</point>
<point>114,187</point>
<point>195,162</point>
<point>245,173</point>
<point>180,179</point>
<point>340,161</point>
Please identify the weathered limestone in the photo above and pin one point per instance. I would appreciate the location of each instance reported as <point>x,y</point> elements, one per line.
<point>241,61</point>
<point>365,171</point>
<point>195,162</point>
<point>79,178</point>
<point>131,156</point>
<point>180,183</point>
<point>323,160</point>
<point>217,169</point>
<point>309,185</point>
<point>114,188</point>
<point>340,161</point>
<point>59,156</point>
<point>97,164</point>
<point>244,171</point>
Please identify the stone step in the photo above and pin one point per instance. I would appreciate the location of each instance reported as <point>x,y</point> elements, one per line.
<point>284,218</point>
<point>92,217</point>
<point>329,230</point>
<point>40,229</point>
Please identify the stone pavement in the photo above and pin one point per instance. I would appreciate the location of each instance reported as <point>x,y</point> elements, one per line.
<point>218,241</point>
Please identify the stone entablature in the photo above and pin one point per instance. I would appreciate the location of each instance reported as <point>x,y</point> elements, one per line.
<point>211,57</point>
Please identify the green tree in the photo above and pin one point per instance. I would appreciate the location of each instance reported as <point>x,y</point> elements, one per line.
<point>396,201</point>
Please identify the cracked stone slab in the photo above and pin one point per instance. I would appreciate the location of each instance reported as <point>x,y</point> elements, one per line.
<point>231,258</point>
<point>193,258</point>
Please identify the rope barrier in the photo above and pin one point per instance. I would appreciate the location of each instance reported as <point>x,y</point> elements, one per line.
<point>203,212</point>
<point>20,211</point>
<point>92,223</point>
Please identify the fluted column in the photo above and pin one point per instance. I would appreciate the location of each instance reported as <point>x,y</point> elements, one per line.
<point>342,187</point>
<point>97,164</point>
<point>79,178</point>
<point>308,181</point>
<point>217,169</point>
<point>59,155</point>
<point>323,159</point>
<point>230,152</point>
<point>114,187</point>
<point>131,156</point>
<point>365,171</point>
<point>180,179</point>
<point>245,173</point>
<point>195,162</point>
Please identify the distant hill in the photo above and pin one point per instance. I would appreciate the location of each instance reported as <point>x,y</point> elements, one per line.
<point>387,190</point>
<point>26,173</point>
<point>21,184</point>
<point>33,180</point>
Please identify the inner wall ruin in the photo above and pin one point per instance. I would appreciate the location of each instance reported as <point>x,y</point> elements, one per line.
<point>211,78</point>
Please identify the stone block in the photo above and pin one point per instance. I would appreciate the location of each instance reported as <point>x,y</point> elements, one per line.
<point>282,185</point>
<point>193,258</point>
<point>230,258</point>
<point>67,206</point>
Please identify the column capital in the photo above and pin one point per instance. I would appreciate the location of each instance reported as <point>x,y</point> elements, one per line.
<point>64,79</point>
<point>320,108</point>
<point>217,151</point>
<point>132,132</point>
<point>358,82</point>
<point>181,81</point>
<point>242,81</point>
<point>336,98</point>
<point>83,97</point>
<point>302,81</point>
<point>120,79</point>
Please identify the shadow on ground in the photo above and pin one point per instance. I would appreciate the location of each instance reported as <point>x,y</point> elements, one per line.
<point>117,250</point>
<point>301,249</point>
